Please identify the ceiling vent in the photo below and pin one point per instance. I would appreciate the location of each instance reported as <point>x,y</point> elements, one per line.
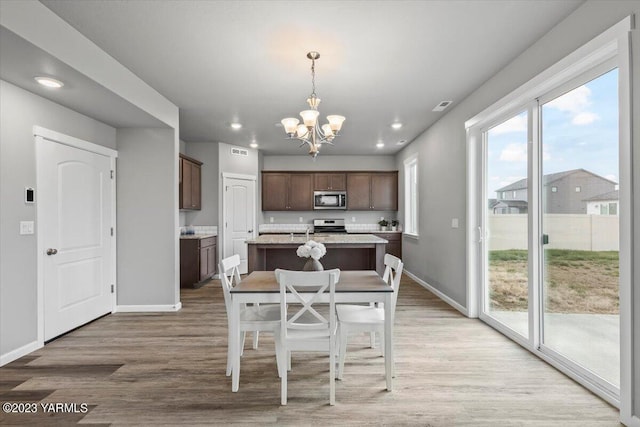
<point>239,151</point>
<point>441,106</point>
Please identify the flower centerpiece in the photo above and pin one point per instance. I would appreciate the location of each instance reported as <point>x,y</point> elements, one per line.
<point>314,251</point>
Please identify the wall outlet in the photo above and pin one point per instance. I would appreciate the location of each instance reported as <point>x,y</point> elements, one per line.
<point>271,219</point>
<point>26,227</point>
<point>353,219</point>
<point>454,222</point>
<point>300,219</point>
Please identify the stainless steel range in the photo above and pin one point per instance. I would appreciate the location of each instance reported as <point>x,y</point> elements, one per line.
<point>329,226</point>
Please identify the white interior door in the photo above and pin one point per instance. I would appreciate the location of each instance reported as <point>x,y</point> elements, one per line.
<point>239,217</point>
<point>75,220</point>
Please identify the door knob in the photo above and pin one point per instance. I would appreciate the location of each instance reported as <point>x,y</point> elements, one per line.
<point>52,251</point>
<point>250,231</point>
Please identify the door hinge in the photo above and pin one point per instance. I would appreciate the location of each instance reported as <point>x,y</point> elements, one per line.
<point>226,188</point>
<point>112,173</point>
<point>112,231</point>
<point>112,288</point>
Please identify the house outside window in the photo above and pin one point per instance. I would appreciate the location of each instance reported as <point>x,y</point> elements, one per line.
<point>411,196</point>
<point>554,189</point>
<point>578,189</point>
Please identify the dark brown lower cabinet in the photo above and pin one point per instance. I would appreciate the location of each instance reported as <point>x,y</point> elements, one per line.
<point>394,247</point>
<point>198,259</point>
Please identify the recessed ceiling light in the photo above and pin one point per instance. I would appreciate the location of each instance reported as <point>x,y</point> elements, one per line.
<point>253,145</point>
<point>380,144</point>
<point>236,126</point>
<point>49,82</point>
<point>396,125</point>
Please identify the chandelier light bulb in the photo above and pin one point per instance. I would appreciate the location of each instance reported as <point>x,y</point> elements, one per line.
<point>309,117</point>
<point>290,124</point>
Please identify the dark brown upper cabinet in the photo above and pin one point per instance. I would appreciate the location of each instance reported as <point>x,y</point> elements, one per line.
<point>283,191</point>
<point>372,191</point>
<point>329,181</point>
<point>190,183</point>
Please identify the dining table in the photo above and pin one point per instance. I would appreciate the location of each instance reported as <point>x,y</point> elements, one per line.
<point>361,286</point>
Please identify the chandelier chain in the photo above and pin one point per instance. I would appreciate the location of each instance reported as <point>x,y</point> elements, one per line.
<point>313,78</point>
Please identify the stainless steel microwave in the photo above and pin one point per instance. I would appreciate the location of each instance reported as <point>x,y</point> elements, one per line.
<point>329,200</point>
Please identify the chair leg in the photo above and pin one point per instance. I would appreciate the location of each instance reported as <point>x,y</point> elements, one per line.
<point>381,342</point>
<point>255,339</point>
<point>283,387</point>
<point>343,351</point>
<point>244,335</point>
<point>372,337</point>
<point>288,360</point>
<point>332,372</point>
<point>279,361</point>
<point>229,352</point>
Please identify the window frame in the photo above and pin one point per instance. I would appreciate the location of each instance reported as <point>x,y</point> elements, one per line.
<point>411,206</point>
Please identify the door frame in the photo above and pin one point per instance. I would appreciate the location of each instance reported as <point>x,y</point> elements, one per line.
<point>41,134</point>
<point>612,43</point>
<point>221,230</point>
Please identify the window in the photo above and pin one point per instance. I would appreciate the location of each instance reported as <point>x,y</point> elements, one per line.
<point>613,208</point>
<point>514,194</point>
<point>578,189</point>
<point>554,189</point>
<point>504,194</point>
<point>604,209</point>
<point>411,196</point>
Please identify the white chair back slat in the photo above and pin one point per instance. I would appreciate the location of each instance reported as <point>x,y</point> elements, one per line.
<point>229,277</point>
<point>392,275</point>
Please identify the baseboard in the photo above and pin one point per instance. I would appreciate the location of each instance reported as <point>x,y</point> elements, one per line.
<point>438,293</point>
<point>19,352</point>
<point>148,308</point>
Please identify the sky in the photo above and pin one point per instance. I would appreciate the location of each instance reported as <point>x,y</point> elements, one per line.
<point>579,130</point>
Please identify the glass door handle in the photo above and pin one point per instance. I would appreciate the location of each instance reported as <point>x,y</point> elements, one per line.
<point>545,239</point>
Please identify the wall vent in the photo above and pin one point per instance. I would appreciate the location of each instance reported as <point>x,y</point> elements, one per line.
<point>441,106</point>
<point>239,151</point>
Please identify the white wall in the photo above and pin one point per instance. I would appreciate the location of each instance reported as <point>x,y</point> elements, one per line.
<point>147,213</point>
<point>207,153</point>
<point>19,112</point>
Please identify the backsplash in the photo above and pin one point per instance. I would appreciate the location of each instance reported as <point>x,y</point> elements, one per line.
<point>199,229</point>
<point>301,228</point>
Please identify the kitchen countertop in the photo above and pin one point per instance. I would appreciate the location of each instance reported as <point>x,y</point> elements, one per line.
<point>283,239</point>
<point>197,236</point>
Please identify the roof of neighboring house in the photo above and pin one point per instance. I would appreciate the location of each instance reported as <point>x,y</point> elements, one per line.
<point>547,179</point>
<point>492,203</point>
<point>611,195</point>
<point>511,204</point>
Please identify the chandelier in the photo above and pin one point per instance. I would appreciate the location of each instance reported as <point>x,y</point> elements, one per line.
<point>310,132</point>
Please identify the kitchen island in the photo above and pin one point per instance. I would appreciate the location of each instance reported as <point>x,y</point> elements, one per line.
<point>344,251</point>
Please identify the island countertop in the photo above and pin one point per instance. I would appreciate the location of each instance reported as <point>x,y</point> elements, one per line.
<point>325,239</point>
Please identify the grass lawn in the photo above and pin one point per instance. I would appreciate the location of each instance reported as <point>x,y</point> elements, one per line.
<point>575,281</point>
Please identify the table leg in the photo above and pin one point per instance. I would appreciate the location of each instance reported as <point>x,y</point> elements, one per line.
<point>235,344</point>
<point>388,341</point>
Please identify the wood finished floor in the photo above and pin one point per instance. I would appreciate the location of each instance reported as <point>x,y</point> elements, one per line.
<point>169,369</point>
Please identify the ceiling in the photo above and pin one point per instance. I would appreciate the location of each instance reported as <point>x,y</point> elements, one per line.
<point>381,62</point>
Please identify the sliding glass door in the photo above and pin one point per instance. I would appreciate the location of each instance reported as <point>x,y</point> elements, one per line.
<point>550,226</point>
<point>580,226</point>
<point>506,293</point>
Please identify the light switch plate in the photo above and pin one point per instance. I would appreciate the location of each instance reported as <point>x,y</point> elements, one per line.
<point>270,219</point>
<point>26,227</point>
<point>300,219</point>
<point>353,219</point>
<point>454,222</point>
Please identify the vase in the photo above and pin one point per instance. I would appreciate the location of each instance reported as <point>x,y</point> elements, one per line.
<point>312,265</point>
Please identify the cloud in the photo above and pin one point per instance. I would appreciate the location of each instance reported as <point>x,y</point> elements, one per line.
<point>514,153</point>
<point>514,124</point>
<point>584,118</point>
<point>576,103</point>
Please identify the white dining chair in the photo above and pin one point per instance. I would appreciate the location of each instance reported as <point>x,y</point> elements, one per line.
<point>253,318</point>
<point>360,318</point>
<point>305,328</point>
